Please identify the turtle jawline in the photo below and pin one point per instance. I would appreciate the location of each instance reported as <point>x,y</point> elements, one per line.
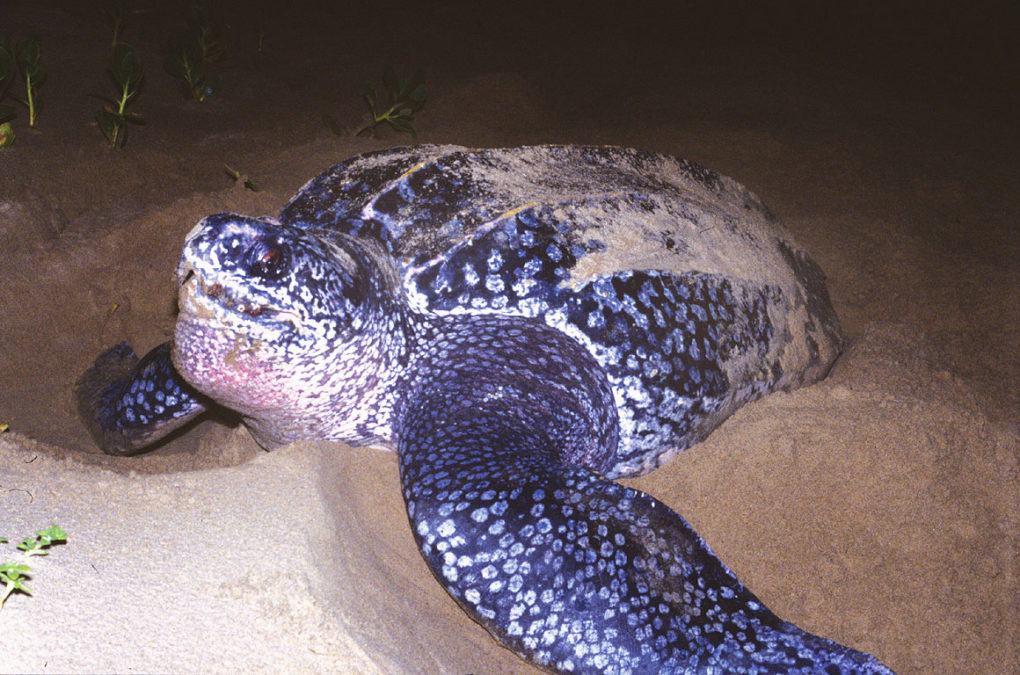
<point>219,296</point>
<point>263,313</point>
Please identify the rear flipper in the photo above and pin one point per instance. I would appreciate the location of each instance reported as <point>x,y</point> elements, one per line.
<point>128,404</point>
<point>579,574</point>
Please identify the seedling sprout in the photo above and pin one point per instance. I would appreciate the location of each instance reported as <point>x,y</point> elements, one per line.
<point>29,59</point>
<point>126,71</point>
<point>401,99</point>
<point>13,574</point>
<point>189,50</point>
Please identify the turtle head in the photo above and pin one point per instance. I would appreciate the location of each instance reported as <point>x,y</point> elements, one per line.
<point>267,313</point>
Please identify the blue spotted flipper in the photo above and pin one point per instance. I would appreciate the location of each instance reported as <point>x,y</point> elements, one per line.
<point>579,574</point>
<point>500,462</point>
<point>128,403</point>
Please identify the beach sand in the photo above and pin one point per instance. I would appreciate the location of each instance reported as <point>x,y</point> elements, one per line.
<point>878,507</point>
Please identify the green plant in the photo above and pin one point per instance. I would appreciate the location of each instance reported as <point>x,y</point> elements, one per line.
<point>42,540</point>
<point>241,178</point>
<point>402,98</point>
<point>116,11</point>
<point>13,574</point>
<point>204,22</point>
<point>189,50</point>
<point>6,79</point>
<point>7,112</point>
<point>29,59</point>
<point>127,71</point>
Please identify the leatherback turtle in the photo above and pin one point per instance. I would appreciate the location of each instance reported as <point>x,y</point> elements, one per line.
<point>521,325</point>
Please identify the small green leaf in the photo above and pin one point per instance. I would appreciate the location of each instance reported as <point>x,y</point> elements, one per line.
<point>12,577</point>
<point>38,75</point>
<point>183,56</point>
<point>42,540</point>
<point>125,66</point>
<point>403,97</point>
<point>6,70</point>
<point>29,53</point>
<point>127,71</point>
<point>14,569</point>
<point>189,48</point>
<point>247,182</point>
<point>108,123</point>
<point>53,534</point>
<point>12,572</point>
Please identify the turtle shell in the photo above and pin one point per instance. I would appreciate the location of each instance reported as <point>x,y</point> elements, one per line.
<point>683,286</point>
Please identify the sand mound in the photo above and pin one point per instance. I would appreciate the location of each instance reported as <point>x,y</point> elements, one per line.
<point>878,508</point>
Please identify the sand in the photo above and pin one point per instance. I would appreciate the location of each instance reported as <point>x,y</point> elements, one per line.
<point>878,507</point>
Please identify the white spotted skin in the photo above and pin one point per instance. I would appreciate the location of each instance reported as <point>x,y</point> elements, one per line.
<point>268,367</point>
<point>521,326</point>
<point>572,571</point>
<point>629,253</point>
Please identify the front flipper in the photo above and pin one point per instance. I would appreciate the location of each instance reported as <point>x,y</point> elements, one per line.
<point>579,574</point>
<point>128,404</point>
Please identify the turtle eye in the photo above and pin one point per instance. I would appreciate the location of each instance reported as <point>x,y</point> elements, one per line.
<point>267,260</point>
